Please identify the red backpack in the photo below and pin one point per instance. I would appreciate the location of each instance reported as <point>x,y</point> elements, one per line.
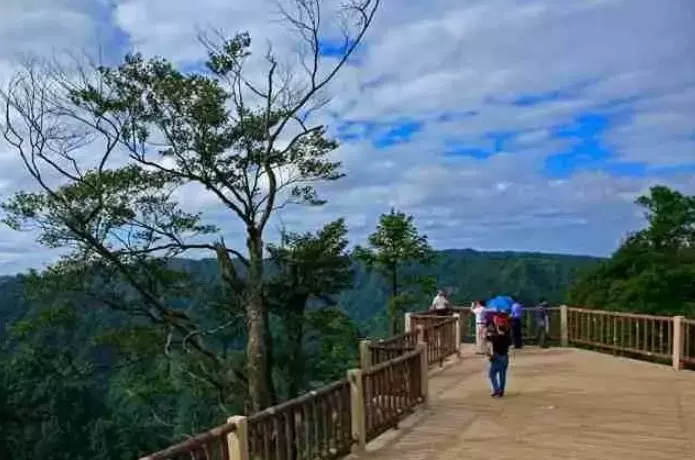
<point>501,320</point>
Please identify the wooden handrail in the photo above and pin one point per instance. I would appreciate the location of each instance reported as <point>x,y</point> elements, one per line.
<point>211,444</point>
<point>623,314</point>
<point>379,367</point>
<point>688,337</point>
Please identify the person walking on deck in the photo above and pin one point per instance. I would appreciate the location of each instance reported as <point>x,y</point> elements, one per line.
<point>500,341</point>
<point>478,309</point>
<point>517,316</point>
<point>542,323</point>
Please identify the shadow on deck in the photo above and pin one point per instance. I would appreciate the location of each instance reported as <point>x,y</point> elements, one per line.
<point>560,403</point>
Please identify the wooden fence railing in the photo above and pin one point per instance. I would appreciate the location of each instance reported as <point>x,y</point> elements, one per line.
<point>330,422</point>
<point>395,347</point>
<point>392,390</point>
<point>441,339</point>
<point>211,445</point>
<point>393,380</point>
<point>315,425</point>
<point>649,336</point>
<point>661,338</point>
<point>688,339</point>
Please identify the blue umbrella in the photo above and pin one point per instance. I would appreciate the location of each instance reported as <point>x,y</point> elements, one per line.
<point>501,303</point>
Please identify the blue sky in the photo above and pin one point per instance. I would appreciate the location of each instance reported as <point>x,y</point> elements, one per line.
<point>499,124</point>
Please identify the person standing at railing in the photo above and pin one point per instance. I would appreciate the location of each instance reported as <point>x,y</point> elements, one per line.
<point>478,309</point>
<point>517,317</point>
<point>500,341</point>
<point>542,323</point>
<point>440,304</point>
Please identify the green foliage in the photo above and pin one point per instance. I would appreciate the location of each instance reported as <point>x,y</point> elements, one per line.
<point>653,269</point>
<point>122,140</point>
<point>54,394</point>
<point>395,242</point>
<point>311,264</point>
<point>333,345</point>
<point>306,266</point>
<point>671,218</point>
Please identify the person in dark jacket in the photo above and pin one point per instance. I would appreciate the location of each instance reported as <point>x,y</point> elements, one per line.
<point>542,323</point>
<point>517,318</point>
<point>500,340</point>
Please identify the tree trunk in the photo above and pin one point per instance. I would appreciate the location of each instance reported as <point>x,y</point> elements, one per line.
<point>393,320</point>
<point>294,327</point>
<point>255,317</point>
<point>269,360</point>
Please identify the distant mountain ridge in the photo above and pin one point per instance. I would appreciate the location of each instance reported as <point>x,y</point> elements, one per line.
<point>473,274</point>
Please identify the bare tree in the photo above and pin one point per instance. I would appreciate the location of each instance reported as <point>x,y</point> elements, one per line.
<point>122,140</point>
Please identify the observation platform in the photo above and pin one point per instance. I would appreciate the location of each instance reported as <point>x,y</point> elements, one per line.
<point>560,403</point>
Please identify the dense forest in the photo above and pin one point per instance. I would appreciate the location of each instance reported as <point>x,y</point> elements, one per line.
<point>653,270</point>
<point>468,274</point>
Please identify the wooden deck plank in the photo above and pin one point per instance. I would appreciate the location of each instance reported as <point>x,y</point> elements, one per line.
<point>560,403</point>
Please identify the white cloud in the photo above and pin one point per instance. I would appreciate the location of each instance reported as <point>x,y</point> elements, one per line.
<point>422,59</point>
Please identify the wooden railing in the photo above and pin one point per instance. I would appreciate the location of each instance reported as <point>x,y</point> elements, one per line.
<point>393,380</point>
<point>425,320</point>
<point>440,338</point>
<point>395,347</point>
<point>688,338</point>
<point>649,336</point>
<point>211,445</point>
<point>314,425</point>
<point>392,390</point>
<point>330,422</point>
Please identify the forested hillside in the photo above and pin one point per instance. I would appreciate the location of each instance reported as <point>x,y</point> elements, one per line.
<point>470,275</point>
<point>467,273</point>
<point>653,271</point>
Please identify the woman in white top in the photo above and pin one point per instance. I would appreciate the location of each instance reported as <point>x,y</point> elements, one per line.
<point>479,310</point>
<point>440,304</point>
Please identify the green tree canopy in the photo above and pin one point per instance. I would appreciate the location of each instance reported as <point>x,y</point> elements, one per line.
<point>395,243</point>
<point>308,266</point>
<point>123,140</point>
<point>653,270</point>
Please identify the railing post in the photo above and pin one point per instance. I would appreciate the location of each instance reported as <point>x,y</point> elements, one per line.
<point>357,409</point>
<point>564,326</point>
<point>365,354</point>
<point>677,342</point>
<point>421,338</point>
<point>457,334</point>
<point>238,440</point>
<point>421,347</point>
<point>408,326</point>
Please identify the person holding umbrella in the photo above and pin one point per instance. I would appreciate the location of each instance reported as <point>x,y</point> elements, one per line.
<point>498,311</point>
<point>501,303</point>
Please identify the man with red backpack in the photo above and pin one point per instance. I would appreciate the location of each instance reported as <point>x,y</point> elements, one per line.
<point>501,319</point>
<point>496,318</point>
<point>500,340</point>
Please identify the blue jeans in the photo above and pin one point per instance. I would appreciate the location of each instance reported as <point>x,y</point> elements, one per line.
<point>498,372</point>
